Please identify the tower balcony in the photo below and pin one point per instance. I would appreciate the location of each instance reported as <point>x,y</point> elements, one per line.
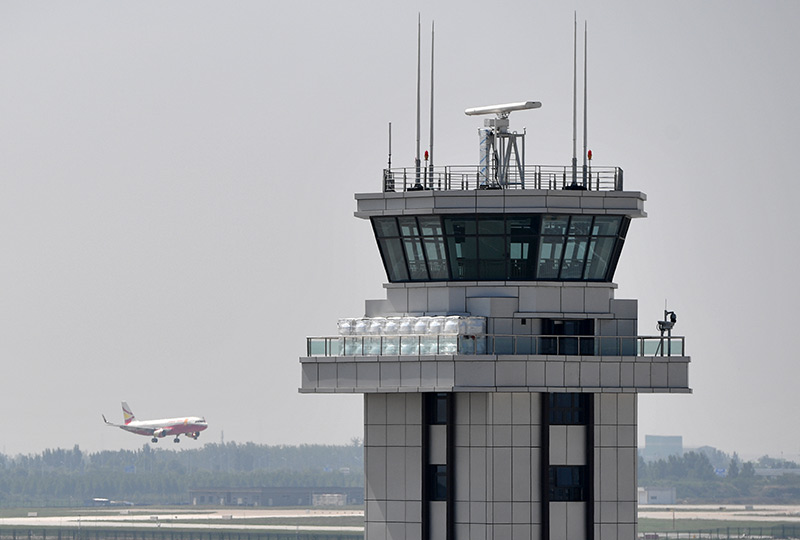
<point>425,363</point>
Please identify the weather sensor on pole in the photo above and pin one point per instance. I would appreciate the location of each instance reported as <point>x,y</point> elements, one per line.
<point>498,145</point>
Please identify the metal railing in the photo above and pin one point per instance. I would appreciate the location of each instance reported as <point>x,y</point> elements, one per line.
<point>494,344</point>
<point>466,177</point>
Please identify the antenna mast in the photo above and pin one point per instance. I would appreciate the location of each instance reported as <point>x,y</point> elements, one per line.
<point>419,28</point>
<point>430,176</point>
<point>585,34</point>
<point>575,100</point>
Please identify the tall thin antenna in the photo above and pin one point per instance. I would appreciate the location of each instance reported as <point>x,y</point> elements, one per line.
<point>431,154</point>
<point>575,100</point>
<point>585,34</point>
<point>390,145</point>
<point>419,29</point>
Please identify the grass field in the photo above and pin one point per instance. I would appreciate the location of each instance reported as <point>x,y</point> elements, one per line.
<point>689,525</point>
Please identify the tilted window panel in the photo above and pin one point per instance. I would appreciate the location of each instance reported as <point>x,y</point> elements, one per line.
<point>507,247</point>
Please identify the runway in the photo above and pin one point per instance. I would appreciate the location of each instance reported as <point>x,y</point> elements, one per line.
<point>221,519</point>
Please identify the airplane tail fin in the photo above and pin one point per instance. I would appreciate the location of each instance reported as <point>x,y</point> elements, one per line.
<point>127,415</point>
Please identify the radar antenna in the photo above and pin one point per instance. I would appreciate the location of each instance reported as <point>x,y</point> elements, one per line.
<point>501,163</point>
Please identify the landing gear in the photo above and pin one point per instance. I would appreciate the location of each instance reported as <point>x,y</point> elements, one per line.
<point>177,439</point>
<point>154,440</point>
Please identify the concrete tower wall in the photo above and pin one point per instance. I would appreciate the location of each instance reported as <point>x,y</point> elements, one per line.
<point>526,428</point>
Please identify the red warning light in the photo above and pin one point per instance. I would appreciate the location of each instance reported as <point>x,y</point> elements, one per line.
<point>589,155</point>
<point>426,155</point>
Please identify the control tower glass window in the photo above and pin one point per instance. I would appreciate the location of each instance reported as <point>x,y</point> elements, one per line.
<point>494,247</point>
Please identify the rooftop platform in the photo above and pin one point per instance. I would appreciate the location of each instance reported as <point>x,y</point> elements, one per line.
<point>469,177</point>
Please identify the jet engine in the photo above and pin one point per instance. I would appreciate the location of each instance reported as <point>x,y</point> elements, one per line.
<point>160,432</point>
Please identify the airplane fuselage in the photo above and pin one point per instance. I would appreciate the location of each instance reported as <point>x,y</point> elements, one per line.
<point>190,426</point>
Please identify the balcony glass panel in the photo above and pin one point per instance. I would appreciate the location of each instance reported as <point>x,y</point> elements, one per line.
<point>627,346</point>
<point>353,346</point>
<point>472,344</point>
<point>391,345</point>
<point>547,345</point>
<point>501,345</point>
<point>525,345</point>
<point>608,345</point>
<point>317,347</point>
<point>554,345</point>
<point>568,345</point>
<point>409,345</point>
<point>448,344</point>
<point>429,345</point>
<point>372,345</point>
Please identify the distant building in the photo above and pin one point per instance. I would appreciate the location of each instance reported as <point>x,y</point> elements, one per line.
<point>277,496</point>
<point>661,447</point>
<point>776,472</point>
<point>658,495</point>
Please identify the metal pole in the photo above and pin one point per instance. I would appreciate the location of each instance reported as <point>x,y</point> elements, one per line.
<point>431,150</point>
<point>584,102</point>
<point>575,100</point>
<point>419,28</point>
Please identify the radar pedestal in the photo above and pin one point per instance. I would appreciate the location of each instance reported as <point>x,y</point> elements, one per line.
<point>501,163</point>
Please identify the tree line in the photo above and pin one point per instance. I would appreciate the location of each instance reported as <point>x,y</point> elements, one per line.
<point>702,477</point>
<point>70,477</point>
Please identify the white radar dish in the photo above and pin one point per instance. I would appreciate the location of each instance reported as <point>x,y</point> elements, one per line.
<point>503,110</point>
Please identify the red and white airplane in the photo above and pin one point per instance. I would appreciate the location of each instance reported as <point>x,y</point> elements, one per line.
<point>191,426</point>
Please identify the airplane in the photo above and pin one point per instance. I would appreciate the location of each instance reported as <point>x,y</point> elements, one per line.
<point>191,426</point>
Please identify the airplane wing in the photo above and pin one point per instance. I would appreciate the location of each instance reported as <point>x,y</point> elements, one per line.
<point>139,430</point>
<point>109,423</point>
<point>132,429</point>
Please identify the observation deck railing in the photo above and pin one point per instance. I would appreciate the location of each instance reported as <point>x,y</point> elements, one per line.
<point>494,344</point>
<point>466,177</point>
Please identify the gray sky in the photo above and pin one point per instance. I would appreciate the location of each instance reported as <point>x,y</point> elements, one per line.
<point>177,180</point>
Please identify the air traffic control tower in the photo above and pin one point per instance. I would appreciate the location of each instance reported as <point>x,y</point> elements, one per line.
<point>500,374</point>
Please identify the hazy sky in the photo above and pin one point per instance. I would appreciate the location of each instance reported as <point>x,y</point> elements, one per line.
<point>177,180</point>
